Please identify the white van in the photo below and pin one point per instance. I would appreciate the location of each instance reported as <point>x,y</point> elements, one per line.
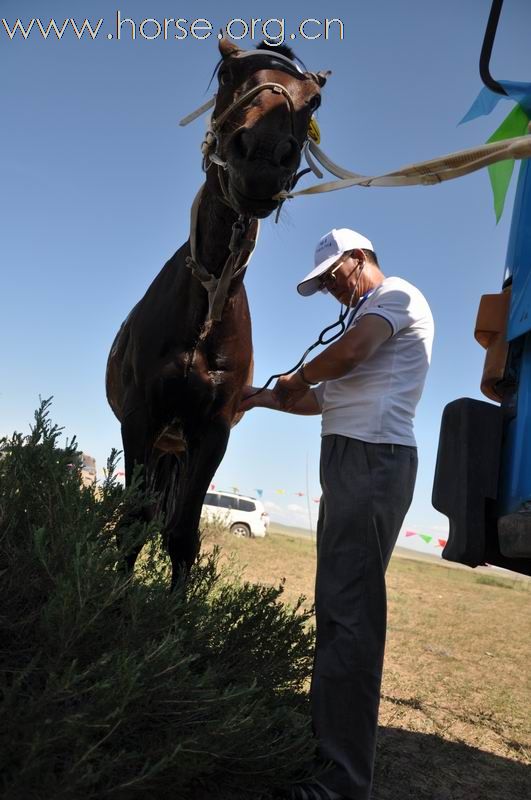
<point>246,516</point>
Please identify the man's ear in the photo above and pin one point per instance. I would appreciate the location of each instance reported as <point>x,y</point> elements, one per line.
<point>227,48</point>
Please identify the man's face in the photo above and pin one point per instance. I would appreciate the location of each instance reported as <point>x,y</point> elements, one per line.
<point>342,279</point>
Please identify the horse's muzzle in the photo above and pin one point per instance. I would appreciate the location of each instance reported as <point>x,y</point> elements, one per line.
<point>254,194</point>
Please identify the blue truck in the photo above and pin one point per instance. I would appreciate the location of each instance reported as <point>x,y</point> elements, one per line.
<point>483,471</point>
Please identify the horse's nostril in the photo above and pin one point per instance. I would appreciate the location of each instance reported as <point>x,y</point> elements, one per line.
<point>285,152</point>
<point>242,143</point>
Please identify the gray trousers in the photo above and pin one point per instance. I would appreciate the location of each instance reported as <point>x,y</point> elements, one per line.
<point>366,492</point>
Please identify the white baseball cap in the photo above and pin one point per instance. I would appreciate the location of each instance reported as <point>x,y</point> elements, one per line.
<point>329,248</point>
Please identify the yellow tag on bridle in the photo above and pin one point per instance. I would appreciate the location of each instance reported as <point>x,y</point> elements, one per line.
<point>313,131</point>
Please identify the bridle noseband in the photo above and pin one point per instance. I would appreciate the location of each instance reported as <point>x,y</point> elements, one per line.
<point>211,143</point>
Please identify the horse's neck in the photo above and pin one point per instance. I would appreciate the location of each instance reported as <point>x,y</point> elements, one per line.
<point>213,232</point>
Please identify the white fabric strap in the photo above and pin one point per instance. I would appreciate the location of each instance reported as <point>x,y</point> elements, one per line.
<point>307,149</point>
<point>197,113</point>
<point>330,165</point>
<point>217,288</point>
<point>436,170</point>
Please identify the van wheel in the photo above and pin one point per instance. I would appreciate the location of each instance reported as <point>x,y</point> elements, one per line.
<point>240,529</point>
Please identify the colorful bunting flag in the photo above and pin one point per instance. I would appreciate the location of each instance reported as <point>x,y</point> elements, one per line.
<point>212,486</point>
<point>259,492</point>
<point>280,491</point>
<point>515,124</point>
<point>299,494</point>
<point>426,538</point>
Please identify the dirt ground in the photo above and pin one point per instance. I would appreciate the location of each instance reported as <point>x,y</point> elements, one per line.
<point>455,717</point>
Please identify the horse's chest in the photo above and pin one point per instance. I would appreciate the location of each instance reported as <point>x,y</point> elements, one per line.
<point>223,351</point>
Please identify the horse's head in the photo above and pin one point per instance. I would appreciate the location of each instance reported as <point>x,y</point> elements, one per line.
<point>264,105</point>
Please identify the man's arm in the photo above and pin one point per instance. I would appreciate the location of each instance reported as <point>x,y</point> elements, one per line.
<point>251,398</point>
<point>355,346</point>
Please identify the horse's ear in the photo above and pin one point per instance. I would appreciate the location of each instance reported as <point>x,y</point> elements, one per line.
<point>228,48</point>
<point>322,77</point>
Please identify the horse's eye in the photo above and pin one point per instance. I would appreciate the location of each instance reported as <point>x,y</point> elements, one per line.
<point>223,76</point>
<point>315,102</point>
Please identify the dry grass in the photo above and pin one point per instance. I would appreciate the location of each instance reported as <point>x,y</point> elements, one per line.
<point>455,713</point>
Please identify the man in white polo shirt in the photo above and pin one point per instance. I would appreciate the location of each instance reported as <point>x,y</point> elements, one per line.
<point>367,385</point>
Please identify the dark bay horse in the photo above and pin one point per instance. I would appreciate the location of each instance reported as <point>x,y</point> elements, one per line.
<point>178,363</point>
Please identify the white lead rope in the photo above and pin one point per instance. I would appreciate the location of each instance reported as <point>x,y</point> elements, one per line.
<point>425,173</point>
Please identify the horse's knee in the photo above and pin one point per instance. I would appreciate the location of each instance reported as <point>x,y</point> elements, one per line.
<point>183,550</point>
<point>127,562</point>
<point>136,440</point>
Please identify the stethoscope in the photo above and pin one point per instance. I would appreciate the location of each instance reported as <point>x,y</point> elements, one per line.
<point>323,339</point>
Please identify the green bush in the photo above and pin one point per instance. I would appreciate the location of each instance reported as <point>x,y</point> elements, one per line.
<point>113,687</point>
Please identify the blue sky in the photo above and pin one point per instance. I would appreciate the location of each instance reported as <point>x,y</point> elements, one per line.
<point>97,180</point>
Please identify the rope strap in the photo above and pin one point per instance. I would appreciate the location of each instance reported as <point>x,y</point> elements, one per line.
<point>276,88</point>
<point>218,288</point>
<point>425,173</point>
<point>197,113</point>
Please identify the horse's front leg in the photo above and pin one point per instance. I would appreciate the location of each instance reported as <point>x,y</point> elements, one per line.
<point>204,457</point>
<point>137,440</point>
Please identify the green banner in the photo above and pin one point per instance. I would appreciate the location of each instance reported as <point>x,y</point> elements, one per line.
<point>515,124</point>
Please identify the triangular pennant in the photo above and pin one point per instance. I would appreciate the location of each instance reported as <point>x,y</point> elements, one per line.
<point>426,538</point>
<point>515,124</point>
<point>442,542</point>
<point>411,533</point>
<point>487,100</point>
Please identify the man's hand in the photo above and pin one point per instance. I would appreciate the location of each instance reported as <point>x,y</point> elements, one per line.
<point>288,390</point>
<point>297,400</point>
<point>252,397</point>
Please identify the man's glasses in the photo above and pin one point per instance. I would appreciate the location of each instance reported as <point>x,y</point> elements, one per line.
<point>329,278</point>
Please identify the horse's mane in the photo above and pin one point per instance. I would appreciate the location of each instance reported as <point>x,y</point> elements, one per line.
<point>283,49</point>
